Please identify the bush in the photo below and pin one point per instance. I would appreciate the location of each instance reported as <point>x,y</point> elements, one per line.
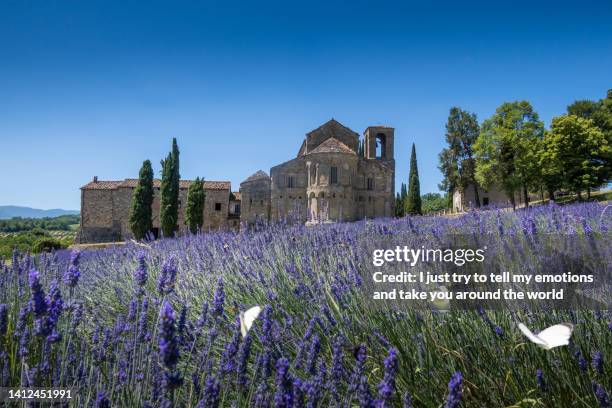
<point>47,244</point>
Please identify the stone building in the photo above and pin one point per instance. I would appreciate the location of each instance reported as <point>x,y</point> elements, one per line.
<point>464,199</point>
<point>105,208</point>
<point>329,180</point>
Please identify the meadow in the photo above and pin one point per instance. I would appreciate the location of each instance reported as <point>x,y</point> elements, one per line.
<point>155,324</point>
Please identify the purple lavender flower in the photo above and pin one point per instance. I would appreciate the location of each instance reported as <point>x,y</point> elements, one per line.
<point>364,394</point>
<point>337,370</point>
<point>24,343</point>
<point>386,388</point>
<point>71,276</point>
<point>298,393</point>
<point>203,316</point>
<point>455,386</point>
<point>102,401</point>
<point>243,360</point>
<point>167,277</point>
<point>359,368</point>
<point>407,401</point>
<point>219,299</point>
<point>38,304</point>
<point>283,398</point>
<point>3,319</point>
<point>602,396</point>
<point>140,274</point>
<point>228,358</point>
<point>597,362</point>
<point>168,347</point>
<point>582,363</point>
<point>211,393</point>
<point>142,321</point>
<point>540,379</point>
<point>131,314</point>
<point>315,347</point>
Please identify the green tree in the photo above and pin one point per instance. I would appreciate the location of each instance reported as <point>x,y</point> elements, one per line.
<point>506,150</point>
<point>141,215</point>
<point>194,211</point>
<point>413,199</point>
<point>400,201</point>
<point>583,108</point>
<point>577,153</point>
<point>168,206</point>
<point>433,202</point>
<point>457,162</point>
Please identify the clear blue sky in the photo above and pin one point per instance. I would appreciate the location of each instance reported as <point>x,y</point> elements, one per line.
<point>95,87</point>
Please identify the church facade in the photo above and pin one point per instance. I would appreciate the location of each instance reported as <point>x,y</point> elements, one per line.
<point>335,177</point>
<point>331,179</point>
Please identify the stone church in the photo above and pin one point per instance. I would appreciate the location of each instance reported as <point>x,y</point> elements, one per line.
<point>331,179</point>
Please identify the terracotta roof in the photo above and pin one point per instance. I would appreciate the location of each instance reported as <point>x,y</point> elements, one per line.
<point>236,195</point>
<point>257,176</point>
<point>131,183</point>
<point>332,145</point>
<point>102,185</point>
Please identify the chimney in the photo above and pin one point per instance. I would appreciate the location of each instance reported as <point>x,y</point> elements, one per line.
<point>95,180</point>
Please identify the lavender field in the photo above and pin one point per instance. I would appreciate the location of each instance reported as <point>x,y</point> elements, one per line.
<point>156,324</point>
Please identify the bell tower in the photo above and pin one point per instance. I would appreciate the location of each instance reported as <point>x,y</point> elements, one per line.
<point>379,143</point>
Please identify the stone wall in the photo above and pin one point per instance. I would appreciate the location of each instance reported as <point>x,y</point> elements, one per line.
<point>106,212</point>
<point>216,209</point>
<point>332,129</point>
<point>288,191</point>
<point>255,200</point>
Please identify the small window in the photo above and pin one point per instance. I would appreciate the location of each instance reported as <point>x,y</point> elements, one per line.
<point>370,183</point>
<point>237,208</point>
<point>261,202</point>
<point>485,201</point>
<point>217,206</point>
<point>333,176</point>
<point>290,181</point>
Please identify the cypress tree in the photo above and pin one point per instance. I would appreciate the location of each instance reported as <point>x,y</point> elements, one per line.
<point>194,211</point>
<point>400,201</point>
<point>141,214</point>
<point>413,200</point>
<point>168,206</point>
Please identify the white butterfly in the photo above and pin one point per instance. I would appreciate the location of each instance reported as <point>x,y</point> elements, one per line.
<point>554,336</point>
<point>248,318</point>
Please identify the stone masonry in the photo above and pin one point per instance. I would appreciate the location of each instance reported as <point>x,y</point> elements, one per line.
<point>105,208</point>
<point>329,180</point>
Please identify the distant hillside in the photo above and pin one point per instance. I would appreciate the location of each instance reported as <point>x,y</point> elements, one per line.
<point>10,211</point>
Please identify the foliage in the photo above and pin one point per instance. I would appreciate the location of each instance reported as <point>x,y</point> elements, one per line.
<point>576,153</point>
<point>31,241</point>
<point>170,188</point>
<point>507,149</point>
<point>433,202</point>
<point>400,201</point>
<point>60,223</point>
<point>194,211</point>
<point>46,244</point>
<point>141,213</point>
<point>600,112</point>
<point>157,325</point>
<point>456,162</point>
<point>413,199</point>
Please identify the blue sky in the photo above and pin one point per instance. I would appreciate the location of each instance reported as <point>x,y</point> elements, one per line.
<point>95,87</point>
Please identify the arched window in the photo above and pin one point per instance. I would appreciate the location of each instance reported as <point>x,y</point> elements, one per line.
<point>381,145</point>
